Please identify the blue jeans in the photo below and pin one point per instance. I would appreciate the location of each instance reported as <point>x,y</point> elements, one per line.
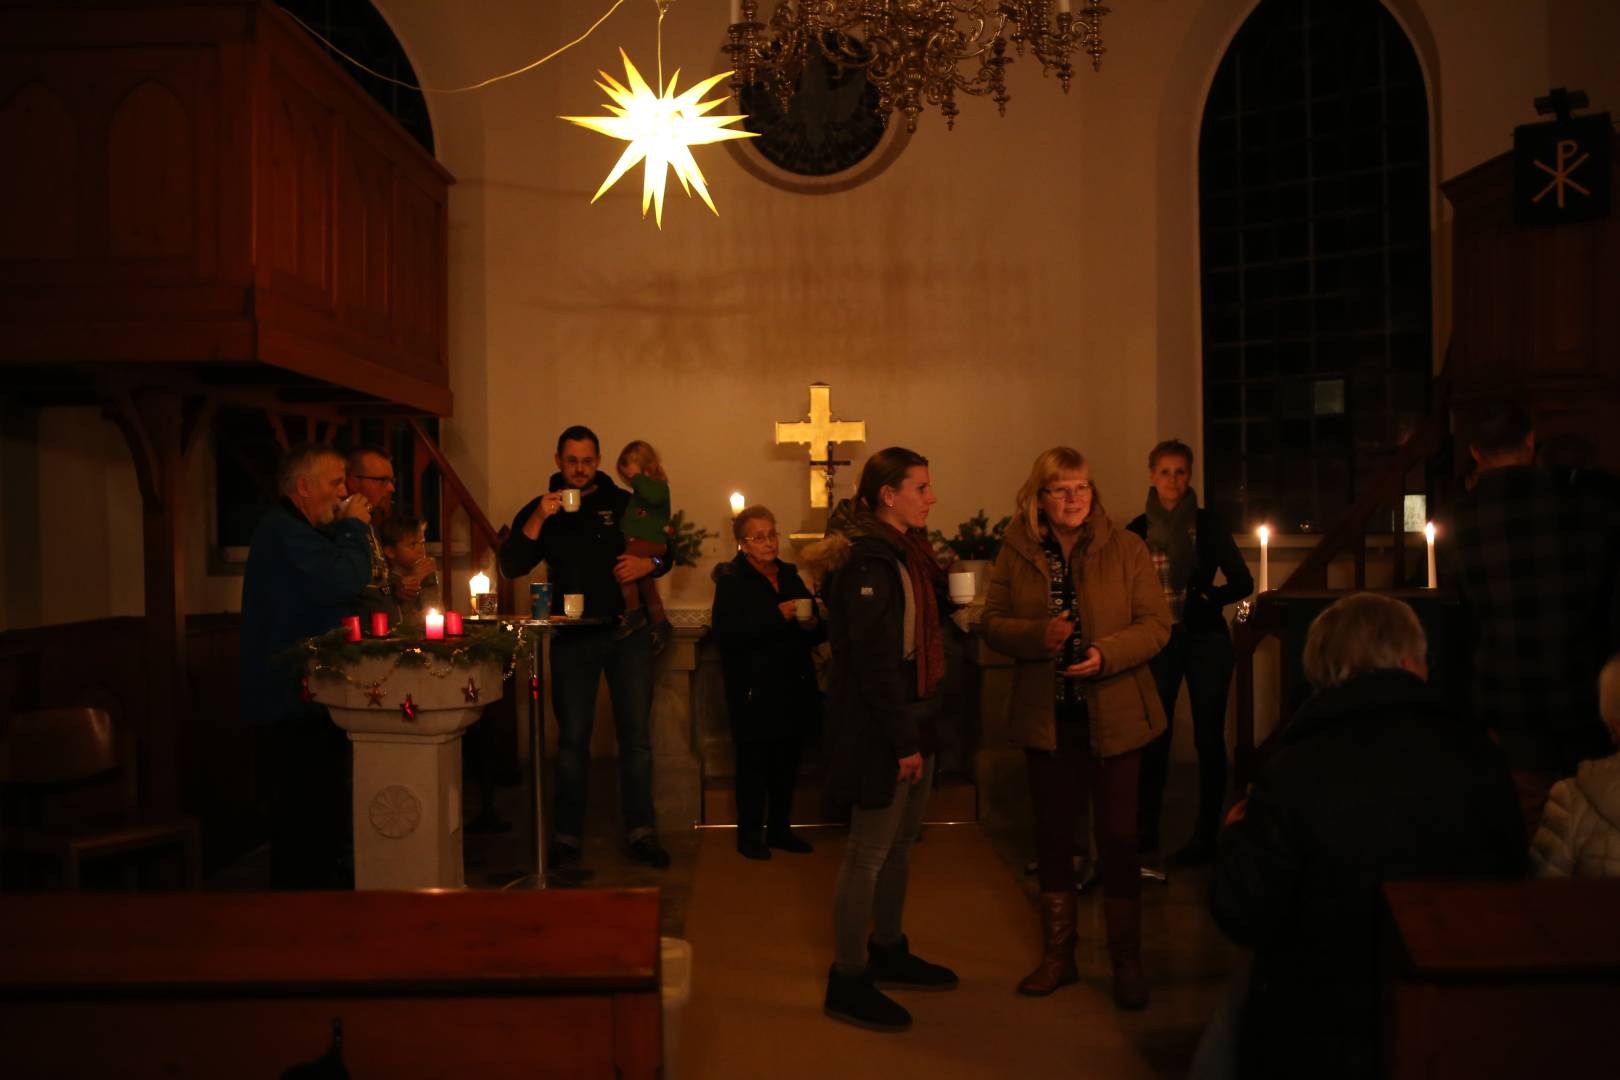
<point>871,889</point>
<point>578,661</point>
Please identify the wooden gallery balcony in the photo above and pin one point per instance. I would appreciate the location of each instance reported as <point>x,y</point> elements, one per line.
<point>197,186</point>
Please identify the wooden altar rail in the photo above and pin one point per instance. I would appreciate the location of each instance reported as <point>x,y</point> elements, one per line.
<point>1513,978</point>
<point>558,983</point>
<point>1428,439</point>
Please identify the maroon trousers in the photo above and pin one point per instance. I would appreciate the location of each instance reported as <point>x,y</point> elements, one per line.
<point>1059,781</point>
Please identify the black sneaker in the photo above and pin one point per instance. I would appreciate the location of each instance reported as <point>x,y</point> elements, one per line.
<point>562,854</point>
<point>662,631</point>
<point>752,848</point>
<point>648,852</point>
<point>893,967</point>
<point>789,842</point>
<point>854,1000</point>
<point>628,623</point>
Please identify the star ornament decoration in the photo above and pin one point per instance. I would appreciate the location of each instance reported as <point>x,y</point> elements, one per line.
<point>661,128</point>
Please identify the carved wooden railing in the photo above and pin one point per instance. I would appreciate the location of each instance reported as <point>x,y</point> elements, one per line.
<point>1264,618</point>
<point>483,538</point>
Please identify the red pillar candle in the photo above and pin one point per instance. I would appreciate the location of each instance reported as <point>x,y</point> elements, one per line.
<point>351,623</point>
<point>452,623</point>
<point>379,624</point>
<point>434,626</point>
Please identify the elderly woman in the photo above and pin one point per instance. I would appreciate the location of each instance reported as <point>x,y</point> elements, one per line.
<point>1579,835</point>
<point>1077,604</point>
<point>1190,545</point>
<point>885,593</point>
<point>765,622</point>
<point>1373,780</point>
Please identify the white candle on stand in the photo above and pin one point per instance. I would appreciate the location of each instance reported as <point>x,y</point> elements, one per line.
<point>434,625</point>
<point>737,503</point>
<point>736,11</point>
<point>479,583</point>
<point>1265,540</point>
<point>1063,7</point>
<point>1428,533</point>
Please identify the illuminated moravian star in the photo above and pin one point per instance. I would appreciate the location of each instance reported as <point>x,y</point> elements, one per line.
<point>660,128</point>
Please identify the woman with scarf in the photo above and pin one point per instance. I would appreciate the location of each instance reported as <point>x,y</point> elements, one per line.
<point>1189,544</point>
<point>1076,603</point>
<point>885,593</point>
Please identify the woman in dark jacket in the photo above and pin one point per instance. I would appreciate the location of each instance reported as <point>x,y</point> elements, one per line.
<point>885,594</point>
<point>1189,545</point>
<point>771,688</point>
<point>1375,779</point>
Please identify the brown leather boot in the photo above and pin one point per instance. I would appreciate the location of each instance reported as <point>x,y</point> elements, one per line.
<point>1124,919</point>
<point>1057,954</point>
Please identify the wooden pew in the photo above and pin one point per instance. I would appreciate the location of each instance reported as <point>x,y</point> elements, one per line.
<point>485,984</point>
<point>1518,978</point>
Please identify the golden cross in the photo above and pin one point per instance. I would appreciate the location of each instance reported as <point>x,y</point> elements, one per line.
<point>819,433</point>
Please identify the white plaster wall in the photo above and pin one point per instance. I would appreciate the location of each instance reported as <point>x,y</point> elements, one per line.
<point>1019,282</point>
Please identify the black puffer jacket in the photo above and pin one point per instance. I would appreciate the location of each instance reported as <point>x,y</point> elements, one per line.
<point>874,717</point>
<point>771,689</point>
<point>1373,781</point>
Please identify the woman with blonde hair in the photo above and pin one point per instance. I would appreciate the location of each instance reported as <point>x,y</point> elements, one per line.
<point>1077,604</point>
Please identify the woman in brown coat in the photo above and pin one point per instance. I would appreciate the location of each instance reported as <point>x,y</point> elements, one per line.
<point>1077,603</point>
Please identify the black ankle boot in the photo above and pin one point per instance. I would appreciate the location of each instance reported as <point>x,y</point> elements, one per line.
<point>854,1000</point>
<point>893,967</point>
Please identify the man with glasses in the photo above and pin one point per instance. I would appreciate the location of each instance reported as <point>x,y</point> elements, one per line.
<point>370,472</point>
<point>579,540</point>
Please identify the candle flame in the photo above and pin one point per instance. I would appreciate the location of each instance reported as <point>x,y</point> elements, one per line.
<point>479,583</point>
<point>737,502</point>
<point>433,613</point>
<point>1264,533</point>
<point>1428,531</point>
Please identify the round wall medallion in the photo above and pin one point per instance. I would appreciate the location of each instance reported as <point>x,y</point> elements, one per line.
<point>830,138</point>
<point>395,812</point>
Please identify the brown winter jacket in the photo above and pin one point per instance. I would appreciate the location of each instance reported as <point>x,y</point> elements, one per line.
<point>1122,612</point>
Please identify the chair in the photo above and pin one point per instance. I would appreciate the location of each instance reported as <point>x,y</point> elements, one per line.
<point>67,752</point>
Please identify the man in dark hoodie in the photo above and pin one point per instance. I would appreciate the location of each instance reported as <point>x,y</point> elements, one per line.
<point>1375,779</point>
<point>579,540</point>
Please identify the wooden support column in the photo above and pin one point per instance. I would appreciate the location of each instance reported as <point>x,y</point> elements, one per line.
<point>162,426</point>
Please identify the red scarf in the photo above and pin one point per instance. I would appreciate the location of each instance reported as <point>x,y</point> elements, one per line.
<point>926,580</point>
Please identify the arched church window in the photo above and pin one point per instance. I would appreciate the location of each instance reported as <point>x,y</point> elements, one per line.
<point>357,28</point>
<point>1314,201</point>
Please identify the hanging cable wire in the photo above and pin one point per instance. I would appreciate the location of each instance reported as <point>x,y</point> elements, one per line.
<point>662,5</point>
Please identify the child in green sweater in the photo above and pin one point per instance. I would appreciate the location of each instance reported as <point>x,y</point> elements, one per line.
<point>646,533</point>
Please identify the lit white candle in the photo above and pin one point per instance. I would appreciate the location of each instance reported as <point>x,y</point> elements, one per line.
<point>434,626</point>
<point>1265,541</point>
<point>737,503</point>
<point>479,583</point>
<point>1428,533</point>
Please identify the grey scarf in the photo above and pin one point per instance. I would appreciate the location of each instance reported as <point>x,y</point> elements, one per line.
<point>1170,531</point>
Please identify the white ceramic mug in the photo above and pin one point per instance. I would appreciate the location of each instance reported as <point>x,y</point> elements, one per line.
<point>963,586</point>
<point>804,610</point>
<point>573,604</point>
<point>570,499</point>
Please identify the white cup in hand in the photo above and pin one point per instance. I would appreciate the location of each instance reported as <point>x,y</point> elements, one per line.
<point>804,610</point>
<point>573,604</point>
<point>963,586</point>
<point>570,499</point>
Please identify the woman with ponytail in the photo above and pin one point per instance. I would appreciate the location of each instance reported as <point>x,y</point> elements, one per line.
<point>885,596</point>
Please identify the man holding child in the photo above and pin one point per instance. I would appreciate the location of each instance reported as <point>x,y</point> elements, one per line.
<point>575,529</point>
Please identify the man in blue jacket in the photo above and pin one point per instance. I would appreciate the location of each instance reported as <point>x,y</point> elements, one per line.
<point>309,560</point>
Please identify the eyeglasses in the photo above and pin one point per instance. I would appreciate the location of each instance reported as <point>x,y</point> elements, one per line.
<point>377,479</point>
<point>1068,494</point>
<point>763,538</point>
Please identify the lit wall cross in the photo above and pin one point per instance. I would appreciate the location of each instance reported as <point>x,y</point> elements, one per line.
<point>820,433</point>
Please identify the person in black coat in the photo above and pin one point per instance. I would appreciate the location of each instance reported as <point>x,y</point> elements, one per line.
<point>1375,779</point>
<point>1189,545</point>
<point>766,624</point>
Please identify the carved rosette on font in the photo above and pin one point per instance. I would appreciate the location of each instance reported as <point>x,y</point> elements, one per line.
<point>395,811</point>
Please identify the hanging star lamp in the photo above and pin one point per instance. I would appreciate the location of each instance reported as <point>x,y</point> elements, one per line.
<point>660,127</point>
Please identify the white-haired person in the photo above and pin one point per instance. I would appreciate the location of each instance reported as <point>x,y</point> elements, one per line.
<point>1374,779</point>
<point>1579,834</point>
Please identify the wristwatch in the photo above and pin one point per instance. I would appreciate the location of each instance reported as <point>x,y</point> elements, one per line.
<point>658,563</point>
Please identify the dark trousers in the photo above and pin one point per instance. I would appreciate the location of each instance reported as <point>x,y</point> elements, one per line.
<point>579,659</point>
<point>1204,660</point>
<point>311,825</point>
<point>767,770</point>
<point>1058,782</point>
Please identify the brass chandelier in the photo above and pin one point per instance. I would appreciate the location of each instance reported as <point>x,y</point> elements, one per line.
<point>915,52</point>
